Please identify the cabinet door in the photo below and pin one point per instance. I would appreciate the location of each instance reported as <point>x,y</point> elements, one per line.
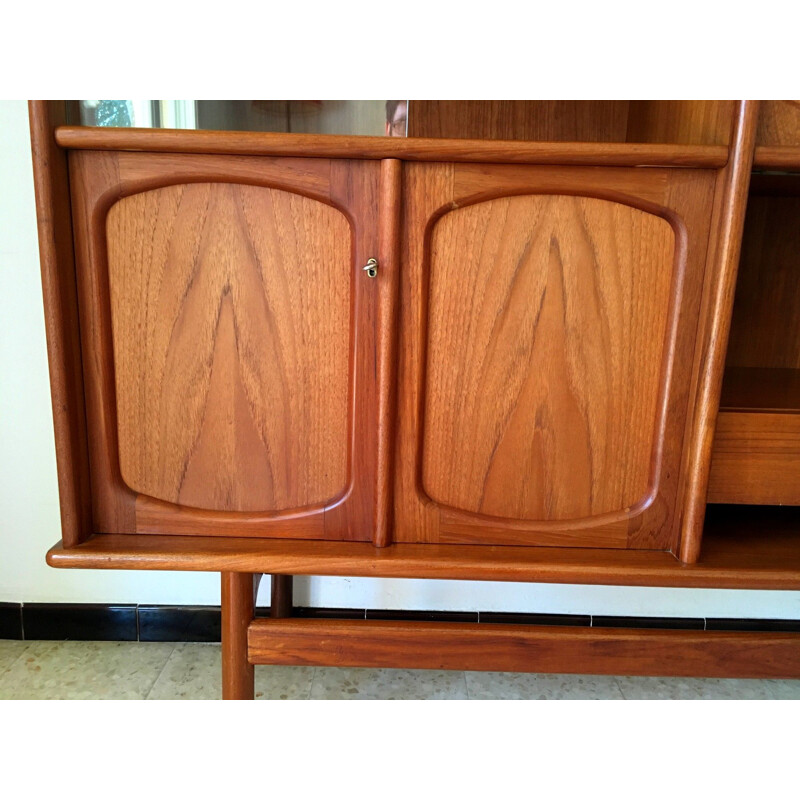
<point>227,337</point>
<point>547,347</point>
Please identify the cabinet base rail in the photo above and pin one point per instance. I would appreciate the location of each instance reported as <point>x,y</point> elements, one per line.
<point>523,648</point>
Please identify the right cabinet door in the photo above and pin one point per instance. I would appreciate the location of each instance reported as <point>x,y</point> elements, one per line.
<point>548,321</point>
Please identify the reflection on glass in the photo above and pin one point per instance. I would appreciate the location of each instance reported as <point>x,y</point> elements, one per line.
<point>349,117</point>
<point>397,117</point>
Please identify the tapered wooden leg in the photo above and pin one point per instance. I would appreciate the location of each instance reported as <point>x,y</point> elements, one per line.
<point>238,610</point>
<point>281,602</point>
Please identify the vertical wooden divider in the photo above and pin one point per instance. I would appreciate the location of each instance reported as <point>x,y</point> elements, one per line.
<point>386,342</point>
<point>725,266</point>
<point>238,610</point>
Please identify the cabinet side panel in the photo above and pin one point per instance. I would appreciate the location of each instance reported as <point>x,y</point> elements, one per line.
<point>230,313</point>
<point>51,183</point>
<point>546,339</point>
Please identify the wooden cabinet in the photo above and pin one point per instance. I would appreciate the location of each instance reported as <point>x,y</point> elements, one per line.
<point>231,337</point>
<point>525,388</point>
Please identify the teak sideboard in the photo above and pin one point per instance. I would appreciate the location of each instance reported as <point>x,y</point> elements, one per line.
<point>502,357</point>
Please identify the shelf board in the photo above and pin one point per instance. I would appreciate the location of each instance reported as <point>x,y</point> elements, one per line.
<point>760,389</point>
<point>740,551</point>
<point>777,157</point>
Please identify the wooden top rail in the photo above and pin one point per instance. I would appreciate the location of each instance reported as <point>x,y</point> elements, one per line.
<point>377,147</point>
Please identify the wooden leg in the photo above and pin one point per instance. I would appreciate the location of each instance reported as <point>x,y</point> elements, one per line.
<point>281,602</point>
<point>238,609</point>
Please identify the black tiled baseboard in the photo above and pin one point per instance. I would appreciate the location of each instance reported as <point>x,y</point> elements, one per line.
<point>672,623</point>
<point>10,621</point>
<point>506,618</point>
<point>83,621</point>
<point>151,623</point>
<point>179,624</point>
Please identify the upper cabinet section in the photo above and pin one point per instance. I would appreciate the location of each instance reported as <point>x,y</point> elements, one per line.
<point>675,122</point>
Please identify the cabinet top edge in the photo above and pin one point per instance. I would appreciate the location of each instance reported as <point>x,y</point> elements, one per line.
<point>376,147</point>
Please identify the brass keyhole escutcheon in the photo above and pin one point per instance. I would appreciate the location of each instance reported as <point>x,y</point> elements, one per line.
<point>372,267</point>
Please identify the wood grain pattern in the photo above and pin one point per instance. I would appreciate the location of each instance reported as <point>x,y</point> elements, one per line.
<point>523,648</point>
<point>230,311</point>
<point>231,283</point>
<point>59,293</point>
<point>531,120</point>
<point>714,327</point>
<point>428,425</point>
<point>743,548</point>
<point>547,324</point>
<point>705,122</point>
<point>756,458</point>
<point>372,147</point>
<point>765,328</point>
<point>778,123</point>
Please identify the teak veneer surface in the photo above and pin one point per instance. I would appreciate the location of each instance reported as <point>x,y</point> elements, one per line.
<point>230,316</point>
<point>529,120</point>
<point>756,458</point>
<point>545,348</point>
<point>742,549</point>
<point>522,648</point>
<point>373,147</point>
<point>779,123</point>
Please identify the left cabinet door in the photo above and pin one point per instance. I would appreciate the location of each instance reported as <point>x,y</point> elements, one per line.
<point>227,336</point>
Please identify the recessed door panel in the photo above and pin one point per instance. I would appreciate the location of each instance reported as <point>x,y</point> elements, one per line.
<point>230,312</point>
<point>547,325</point>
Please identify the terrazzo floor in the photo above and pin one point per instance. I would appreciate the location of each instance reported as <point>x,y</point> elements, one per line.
<point>166,671</point>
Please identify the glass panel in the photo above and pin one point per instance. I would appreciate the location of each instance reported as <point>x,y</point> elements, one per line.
<point>353,117</point>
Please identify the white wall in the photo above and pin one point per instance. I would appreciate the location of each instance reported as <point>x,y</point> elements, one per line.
<point>29,519</point>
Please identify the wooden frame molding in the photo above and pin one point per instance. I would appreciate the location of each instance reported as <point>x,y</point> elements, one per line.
<point>724,267</point>
<point>735,556</point>
<point>523,648</point>
<point>376,147</point>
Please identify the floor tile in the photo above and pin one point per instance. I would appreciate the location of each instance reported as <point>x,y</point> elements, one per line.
<point>785,690</point>
<point>333,683</point>
<point>85,670</point>
<point>10,651</point>
<point>535,686</point>
<point>194,672</point>
<point>640,688</point>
